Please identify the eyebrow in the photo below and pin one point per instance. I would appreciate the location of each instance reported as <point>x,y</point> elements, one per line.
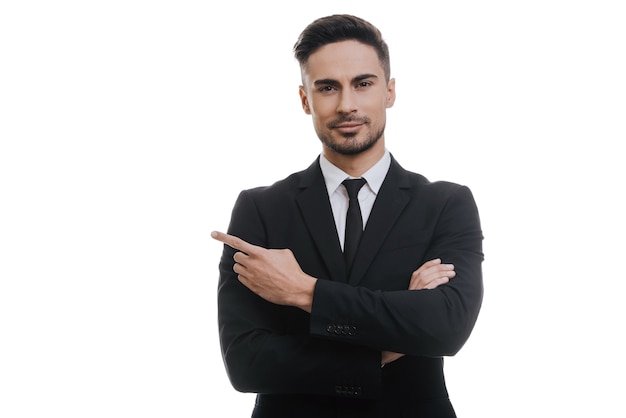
<point>331,82</point>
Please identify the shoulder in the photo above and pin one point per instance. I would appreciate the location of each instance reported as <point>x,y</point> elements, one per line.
<point>420,183</point>
<point>437,195</point>
<point>290,185</point>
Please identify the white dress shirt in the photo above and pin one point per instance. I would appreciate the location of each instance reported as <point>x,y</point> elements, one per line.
<point>333,176</point>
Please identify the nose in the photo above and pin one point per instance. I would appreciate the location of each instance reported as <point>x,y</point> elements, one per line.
<point>347,101</point>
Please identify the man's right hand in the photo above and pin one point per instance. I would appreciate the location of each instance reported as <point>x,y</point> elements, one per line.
<point>431,274</point>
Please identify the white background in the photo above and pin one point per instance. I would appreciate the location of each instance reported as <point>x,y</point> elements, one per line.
<point>128,128</point>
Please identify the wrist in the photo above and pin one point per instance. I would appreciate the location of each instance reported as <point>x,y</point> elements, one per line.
<point>305,297</point>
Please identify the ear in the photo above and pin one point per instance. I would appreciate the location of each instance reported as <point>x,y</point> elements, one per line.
<point>305,100</point>
<point>391,93</point>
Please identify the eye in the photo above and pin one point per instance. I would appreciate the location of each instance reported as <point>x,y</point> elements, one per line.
<point>363,84</point>
<point>325,89</point>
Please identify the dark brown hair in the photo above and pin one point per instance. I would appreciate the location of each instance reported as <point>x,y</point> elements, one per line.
<point>336,28</point>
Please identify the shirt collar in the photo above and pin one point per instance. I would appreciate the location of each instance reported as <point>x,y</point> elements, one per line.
<point>333,175</point>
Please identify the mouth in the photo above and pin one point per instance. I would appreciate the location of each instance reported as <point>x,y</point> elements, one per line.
<point>348,127</point>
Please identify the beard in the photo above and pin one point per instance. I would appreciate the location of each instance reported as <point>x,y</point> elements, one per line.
<point>351,145</point>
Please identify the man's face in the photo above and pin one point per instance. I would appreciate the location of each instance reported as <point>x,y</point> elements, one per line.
<point>345,91</point>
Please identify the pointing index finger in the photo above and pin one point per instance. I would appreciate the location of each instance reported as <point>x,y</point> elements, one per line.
<point>232,241</point>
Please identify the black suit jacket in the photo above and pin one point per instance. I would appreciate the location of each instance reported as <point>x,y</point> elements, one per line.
<point>327,363</point>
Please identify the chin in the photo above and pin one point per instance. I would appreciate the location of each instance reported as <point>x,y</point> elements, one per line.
<point>353,147</point>
<point>350,144</point>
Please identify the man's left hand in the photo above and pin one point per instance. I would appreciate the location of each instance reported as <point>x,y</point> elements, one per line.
<point>274,275</point>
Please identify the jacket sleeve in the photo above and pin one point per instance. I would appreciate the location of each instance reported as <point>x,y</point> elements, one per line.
<point>416,322</point>
<point>268,348</point>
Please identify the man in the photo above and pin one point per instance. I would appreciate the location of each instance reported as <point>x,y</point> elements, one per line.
<point>316,334</point>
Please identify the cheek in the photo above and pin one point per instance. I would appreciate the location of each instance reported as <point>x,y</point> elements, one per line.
<point>323,106</point>
<point>321,112</point>
<point>318,123</point>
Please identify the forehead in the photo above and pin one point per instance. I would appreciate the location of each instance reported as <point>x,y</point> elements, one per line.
<point>345,59</point>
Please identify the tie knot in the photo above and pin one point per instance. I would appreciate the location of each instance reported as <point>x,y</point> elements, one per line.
<point>353,186</point>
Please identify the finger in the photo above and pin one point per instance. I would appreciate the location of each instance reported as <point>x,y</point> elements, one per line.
<point>240,258</point>
<point>233,241</point>
<point>428,265</point>
<point>431,281</point>
<point>437,269</point>
<point>240,269</point>
<point>437,282</point>
<point>431,268</point>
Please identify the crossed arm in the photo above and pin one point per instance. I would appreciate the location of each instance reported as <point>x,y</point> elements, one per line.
<point>276,276</point>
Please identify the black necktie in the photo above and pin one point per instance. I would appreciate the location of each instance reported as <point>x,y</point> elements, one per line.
<point>354,221</point>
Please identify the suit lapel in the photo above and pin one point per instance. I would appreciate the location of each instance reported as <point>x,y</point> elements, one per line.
<point>391,200</point>
<point>314,204</point>
<point>318,217</point>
